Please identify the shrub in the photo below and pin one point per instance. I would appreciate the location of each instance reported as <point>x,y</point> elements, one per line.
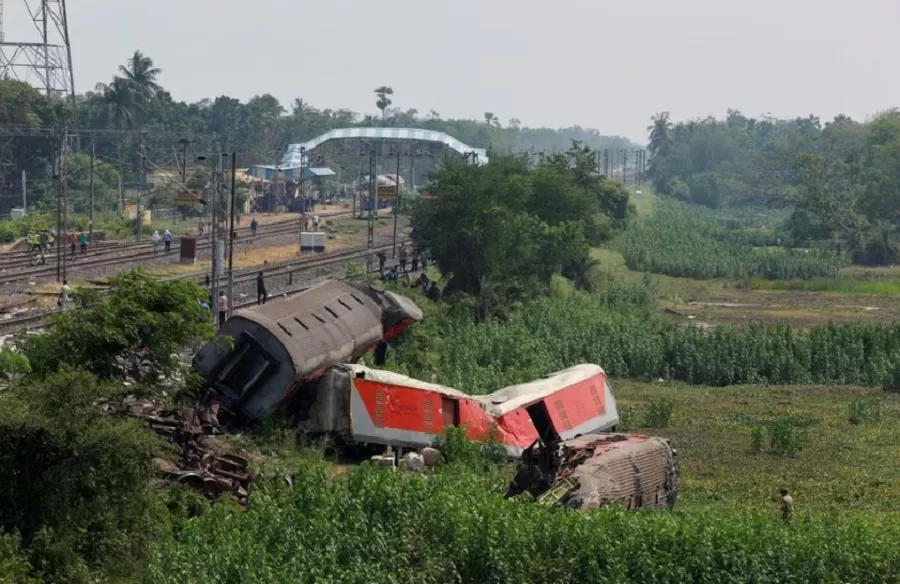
<point>454,526</point>
<point>659,413</point>
<point>864,411</point>
<point>785,437</point>
<point>628,418</point>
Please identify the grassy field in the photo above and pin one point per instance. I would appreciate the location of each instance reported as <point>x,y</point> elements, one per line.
<point>840,466</point>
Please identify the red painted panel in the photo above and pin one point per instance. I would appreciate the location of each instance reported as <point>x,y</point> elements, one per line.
<point>516,429</point>
<point>474,419</point>
<point>404,407</point>
<point>579,403</point>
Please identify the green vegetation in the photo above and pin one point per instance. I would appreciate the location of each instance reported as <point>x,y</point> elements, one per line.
<point>78,503</point>
<point>136,330</point>
<point>376,526</point>
<point>840,180</point>
<point>551,334</point>
<point>840,285</point>
<point>500,232</point>
<point>687,242</point>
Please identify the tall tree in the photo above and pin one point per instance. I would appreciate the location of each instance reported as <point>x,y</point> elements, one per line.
<point>141,75</point>
<point>383,100</point>
<point>660,134</point>
<point>118,98</point>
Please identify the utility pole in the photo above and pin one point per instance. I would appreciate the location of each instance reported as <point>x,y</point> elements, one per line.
<point>139,189</point>
<point>24,195</point>
<point>231,235</point>
<point>397,203</point>
<point>302,193</point>
<point>57,176</point>
<point>91,220</point>
<point>373,210</point>
<point>121,183</point>
<point>64,169</point>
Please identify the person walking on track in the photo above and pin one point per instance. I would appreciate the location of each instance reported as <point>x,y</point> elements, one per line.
<point>261,294</point>
<point>155,238</point>
<point>83,241</point>
<point>167,241</point>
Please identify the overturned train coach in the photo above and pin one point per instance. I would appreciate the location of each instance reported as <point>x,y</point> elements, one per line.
<point>629,471</point>
<point>362,405</point>
<point>278,347</point>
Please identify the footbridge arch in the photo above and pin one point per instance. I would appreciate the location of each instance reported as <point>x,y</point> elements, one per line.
<point>292,157</point>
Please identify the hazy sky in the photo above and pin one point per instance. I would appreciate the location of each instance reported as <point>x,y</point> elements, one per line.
<point>597,63</point>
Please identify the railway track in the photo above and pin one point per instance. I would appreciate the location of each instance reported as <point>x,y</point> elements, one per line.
<point>289,268</point>
<point>138,251</point>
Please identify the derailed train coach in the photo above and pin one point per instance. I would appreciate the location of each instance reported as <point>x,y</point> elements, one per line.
<point>630,471</point>
<point>362,405</point>
<point>278,347</point>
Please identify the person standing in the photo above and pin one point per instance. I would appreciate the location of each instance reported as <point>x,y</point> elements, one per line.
<point>254,225</point>
<point>64,295</point>
<point>381,259</point>
<point>155,238</point>
<point>261,295</point>
<point>200,228</point>
<point>404,255</point>
<point>83,240</point>
<point>223,308</point>
<point>167,241</point>
<point>73,243</point>
<point>414,259</point>
<point>787,505</point>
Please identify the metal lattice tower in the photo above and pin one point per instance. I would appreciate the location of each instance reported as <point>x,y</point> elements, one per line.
<point>41,57</point>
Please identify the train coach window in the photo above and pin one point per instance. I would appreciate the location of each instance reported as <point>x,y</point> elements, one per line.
<point>317,317</point>
<point>331,312</point>
<point>355,297</point>
<point>284,328</point>
<point>300,322</point>
<point>344,304</point>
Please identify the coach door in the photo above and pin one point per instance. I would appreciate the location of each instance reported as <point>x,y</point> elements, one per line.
<point>449,412</point>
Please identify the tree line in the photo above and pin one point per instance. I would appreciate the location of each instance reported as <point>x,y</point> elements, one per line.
<point>135,103</point>
<point>841,178</point>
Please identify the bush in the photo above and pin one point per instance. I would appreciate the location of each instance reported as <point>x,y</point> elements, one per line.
<point>376,526</point>
<point>457,448</point>
<point>75,482</point>
<point>864,411</point>
<point>659,413</point>
<point>628,419</point>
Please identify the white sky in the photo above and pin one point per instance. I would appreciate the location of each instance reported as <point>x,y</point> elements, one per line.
<point>597,63</point>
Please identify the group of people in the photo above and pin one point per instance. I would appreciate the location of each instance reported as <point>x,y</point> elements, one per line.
<point>165,238</point>
<point>414,258</point>
<point>405,256</point>
<point>40,242</point>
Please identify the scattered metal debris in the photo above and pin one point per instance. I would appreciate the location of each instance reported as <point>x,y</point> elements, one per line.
<point>201,466</point>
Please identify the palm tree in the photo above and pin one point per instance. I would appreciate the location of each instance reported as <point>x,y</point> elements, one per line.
<point>141,76</point>
<point>660,134</point>
<point>490,119</point>
<point>383,100</point>
<point>119,101</point>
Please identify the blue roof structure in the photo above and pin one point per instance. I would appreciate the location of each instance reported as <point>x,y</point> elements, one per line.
<point>292,156</point>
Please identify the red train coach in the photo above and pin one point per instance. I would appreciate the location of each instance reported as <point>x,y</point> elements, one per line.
<point>363,405</point>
